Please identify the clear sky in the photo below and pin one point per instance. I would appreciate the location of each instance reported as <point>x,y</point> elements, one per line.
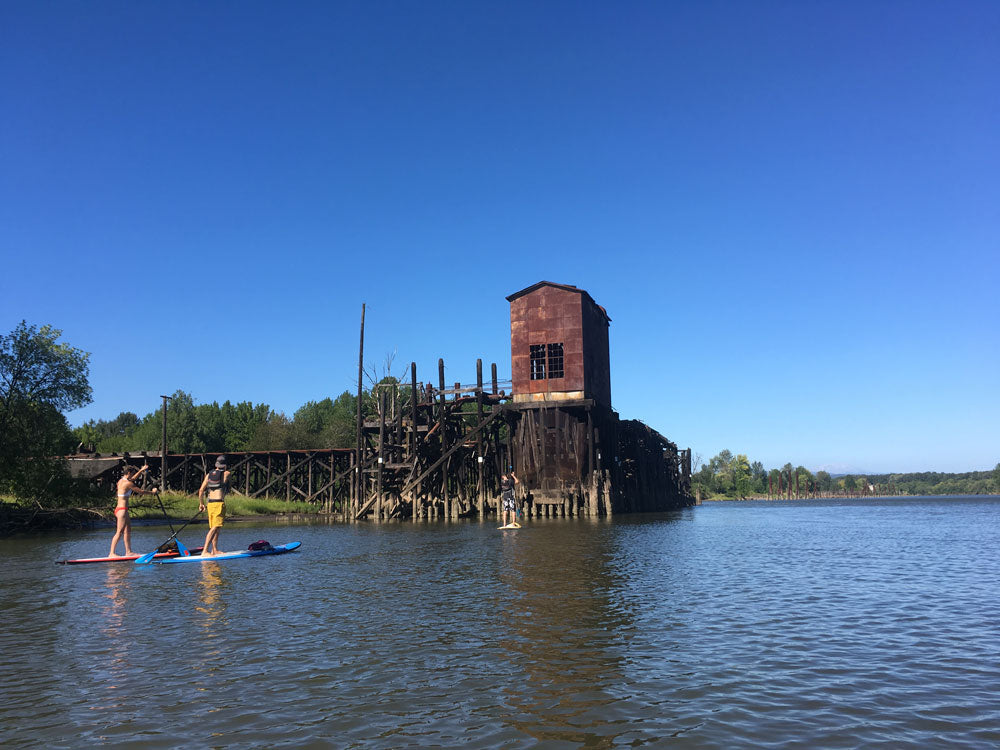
<point>790,211</point>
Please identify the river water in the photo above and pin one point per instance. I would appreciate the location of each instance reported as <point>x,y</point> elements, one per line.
<point>817,624</point>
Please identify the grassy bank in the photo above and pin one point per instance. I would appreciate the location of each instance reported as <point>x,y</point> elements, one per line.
<point>185,506</point>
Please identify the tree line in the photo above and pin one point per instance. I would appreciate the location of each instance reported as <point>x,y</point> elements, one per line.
<point>226,427</point>
<point>736,477</point>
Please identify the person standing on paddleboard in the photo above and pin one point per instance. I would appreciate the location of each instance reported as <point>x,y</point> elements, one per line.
<point>507,502</point>
<point>216,483</point>
<point>126,488</point>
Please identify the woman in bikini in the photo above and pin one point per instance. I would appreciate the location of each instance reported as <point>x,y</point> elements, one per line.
<point>126,488</point>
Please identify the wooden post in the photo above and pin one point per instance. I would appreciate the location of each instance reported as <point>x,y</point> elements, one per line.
<point>381,455</point>
<point>480,459</point>
<point>397,441</point>
<point>413,411</point>
<point>493,369</point>
<point>358,448</point>
<point>351,507</point>
<point>163,448</point>
<point>444,440</point>
<point>309,489</point>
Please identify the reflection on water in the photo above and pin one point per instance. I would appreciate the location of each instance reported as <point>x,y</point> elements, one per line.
<point>793,625</point>
<point>112,612</point>
<point>561,624</point>
<point>211,618</point>
<point>212,602</point>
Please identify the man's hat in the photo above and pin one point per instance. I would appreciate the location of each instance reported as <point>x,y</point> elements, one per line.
<point>220,462</point>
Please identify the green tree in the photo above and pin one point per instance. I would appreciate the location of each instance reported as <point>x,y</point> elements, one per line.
<point>240,423</point>
<point>742,479</point>
<point>805,480</point>
<point>774,480</point>
<point>277,433</point>
<point>758,478</point>
<point>39,379</point>
<point>824,482</point>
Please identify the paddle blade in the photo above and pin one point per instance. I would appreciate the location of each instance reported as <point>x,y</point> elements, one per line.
<point>144,559</point>
<point>181,549</point>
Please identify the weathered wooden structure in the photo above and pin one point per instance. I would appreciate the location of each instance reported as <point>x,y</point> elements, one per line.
<point>426,451</point>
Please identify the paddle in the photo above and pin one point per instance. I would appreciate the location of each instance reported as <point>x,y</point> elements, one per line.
<point>150,555</point>
<point>164,512</point>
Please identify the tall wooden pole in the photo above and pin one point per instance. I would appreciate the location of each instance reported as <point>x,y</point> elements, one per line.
<point>359,451</point>
<point>444,440</point>
<point>413,431</point>
<point>413,411</point>
<point>163,448</point>
<point>481,489</point>
<point>379,505</point>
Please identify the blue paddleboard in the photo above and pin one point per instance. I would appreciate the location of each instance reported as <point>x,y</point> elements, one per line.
<point>278,549</point>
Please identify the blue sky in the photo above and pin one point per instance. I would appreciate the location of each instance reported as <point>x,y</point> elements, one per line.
<point>791,211</point>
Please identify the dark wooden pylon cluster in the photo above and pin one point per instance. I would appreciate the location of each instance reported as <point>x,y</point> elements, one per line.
<point>576,458</point>
<point>441,454</point>
<point>431,452</point>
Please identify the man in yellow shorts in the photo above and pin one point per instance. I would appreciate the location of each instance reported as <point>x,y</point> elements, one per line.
<point>216,483</point>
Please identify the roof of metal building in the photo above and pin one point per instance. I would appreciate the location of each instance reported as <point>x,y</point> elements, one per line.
<point>566,287</point>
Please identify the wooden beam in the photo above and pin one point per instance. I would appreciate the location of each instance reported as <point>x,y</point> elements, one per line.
<point>426,472</point>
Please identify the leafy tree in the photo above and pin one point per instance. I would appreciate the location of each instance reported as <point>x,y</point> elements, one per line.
<point>340,431</point>
<point>824,482</point>
<point>277,433</point>
<point>739,471</point>
<point>805,480</point>
<point>774,480</point>
<point>240,423</point>
<point>39,379</point>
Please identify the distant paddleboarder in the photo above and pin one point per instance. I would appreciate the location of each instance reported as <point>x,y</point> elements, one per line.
<point>508,504</point>
<point>216,483</point>
<point>126,488</point>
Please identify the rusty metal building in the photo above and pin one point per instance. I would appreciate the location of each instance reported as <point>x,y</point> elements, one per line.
<point>559,345</point>
<point>572,452</point>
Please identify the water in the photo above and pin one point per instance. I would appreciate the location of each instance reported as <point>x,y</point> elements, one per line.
<point>790,625</point>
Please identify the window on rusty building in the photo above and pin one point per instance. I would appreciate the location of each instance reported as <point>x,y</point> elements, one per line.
<point>538,361</point>
<point>555,361</point>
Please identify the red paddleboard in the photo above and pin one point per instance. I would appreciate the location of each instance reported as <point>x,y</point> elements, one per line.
<point>123,558</point>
